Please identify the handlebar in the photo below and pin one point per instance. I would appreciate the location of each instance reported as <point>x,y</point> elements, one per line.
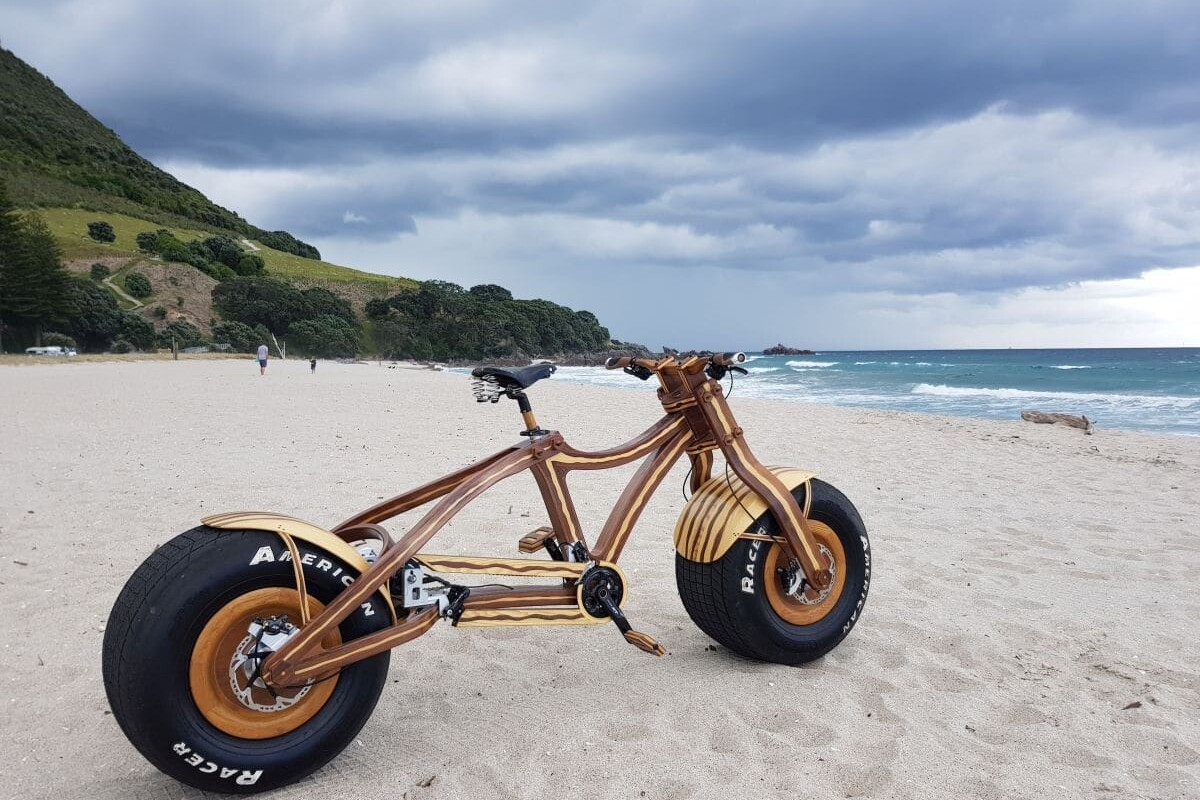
<point>625,362</point>
<point>727,359</point>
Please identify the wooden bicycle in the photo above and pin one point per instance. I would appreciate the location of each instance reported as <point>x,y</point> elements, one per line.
<point>248,652</point>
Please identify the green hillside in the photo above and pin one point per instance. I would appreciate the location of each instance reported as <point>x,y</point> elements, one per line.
<point>102,250</point>
<point>53,153</point>
<point>69,226</point>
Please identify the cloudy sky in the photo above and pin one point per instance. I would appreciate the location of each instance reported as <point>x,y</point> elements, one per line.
<point>890,174</point>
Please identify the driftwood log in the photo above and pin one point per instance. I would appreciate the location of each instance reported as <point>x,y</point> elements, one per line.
<point>1081,422</point>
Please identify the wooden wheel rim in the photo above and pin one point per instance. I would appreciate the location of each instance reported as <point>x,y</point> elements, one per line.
<point>813,607</point>
<point>212,673</point>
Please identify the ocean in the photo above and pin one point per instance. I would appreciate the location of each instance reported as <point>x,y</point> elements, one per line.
<point>1140,389</point>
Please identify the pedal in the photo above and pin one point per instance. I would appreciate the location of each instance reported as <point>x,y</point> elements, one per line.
<point>644,641</point>
<point>536,540</point>
<point>641,641</point>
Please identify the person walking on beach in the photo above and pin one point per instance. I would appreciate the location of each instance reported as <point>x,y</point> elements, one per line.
<point>262,359</point>
<point>312,366</point>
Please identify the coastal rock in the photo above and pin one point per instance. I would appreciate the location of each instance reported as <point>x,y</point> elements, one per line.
<point>1054,418</point>
<point>784,350</point>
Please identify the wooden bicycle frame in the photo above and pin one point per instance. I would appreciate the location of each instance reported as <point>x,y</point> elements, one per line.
<point>698,421</point>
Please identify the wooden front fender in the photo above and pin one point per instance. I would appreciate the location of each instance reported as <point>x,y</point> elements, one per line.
<point>298,529</point>
<point>721,510</point>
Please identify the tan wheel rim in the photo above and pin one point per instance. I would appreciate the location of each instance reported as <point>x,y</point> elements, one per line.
<point>808,606</point>
<point>223,692</point>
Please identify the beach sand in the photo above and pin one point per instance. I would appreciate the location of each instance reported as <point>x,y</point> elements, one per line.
<point>1031,587</point>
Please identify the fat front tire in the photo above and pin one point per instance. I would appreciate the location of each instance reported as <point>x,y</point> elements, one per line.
<point>741,599</point>
<point>174,662</point>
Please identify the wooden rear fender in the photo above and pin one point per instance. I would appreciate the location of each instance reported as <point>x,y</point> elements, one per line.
<point>307,532</point>
<point>721,510</point>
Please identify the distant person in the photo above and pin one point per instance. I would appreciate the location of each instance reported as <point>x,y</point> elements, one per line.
<point>312,366</point>
<point>262,359</point>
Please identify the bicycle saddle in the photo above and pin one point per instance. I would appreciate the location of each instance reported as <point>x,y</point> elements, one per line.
<point>514,378</point>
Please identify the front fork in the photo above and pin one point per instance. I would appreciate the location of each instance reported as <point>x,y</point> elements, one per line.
<point>685,390</point>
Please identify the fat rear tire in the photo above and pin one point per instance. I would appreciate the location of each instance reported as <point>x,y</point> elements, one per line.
<point>148,650</point>
<point>728,598</point>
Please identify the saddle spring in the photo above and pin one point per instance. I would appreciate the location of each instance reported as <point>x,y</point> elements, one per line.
<point>486,389</point>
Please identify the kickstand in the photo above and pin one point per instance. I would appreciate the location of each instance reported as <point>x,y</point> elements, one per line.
<point>642,641</point>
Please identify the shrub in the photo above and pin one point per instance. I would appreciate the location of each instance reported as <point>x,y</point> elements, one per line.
<point>250,264</point>
<point>223,249</point>
<point>239,336</point>
<point>53,338</point>
<point>185,334</point>
<point>215,270</point>
<point>328,336</point>
<point>136,330</point>
<point>159,312</point>
<point>148,241</point>
<point>138,285</point>
<point>100,272</point>
<point>122,346</point>
<point>101,231</point>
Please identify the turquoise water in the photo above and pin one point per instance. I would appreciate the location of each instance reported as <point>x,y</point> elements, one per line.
<point>1145,389</point>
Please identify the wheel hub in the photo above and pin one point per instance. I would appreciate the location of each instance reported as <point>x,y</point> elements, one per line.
<point>262,639</point>
<point>797,586</point>
<point>224,673</point>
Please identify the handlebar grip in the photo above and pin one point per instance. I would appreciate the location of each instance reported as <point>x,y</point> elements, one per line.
<point>617,363</point>
<point>728,359</point>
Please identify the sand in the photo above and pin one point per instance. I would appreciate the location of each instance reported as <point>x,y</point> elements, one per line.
<point>1031,584</point>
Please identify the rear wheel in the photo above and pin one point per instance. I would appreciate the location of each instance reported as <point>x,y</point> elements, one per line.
<point>751,601</point>
<point>180,665</point>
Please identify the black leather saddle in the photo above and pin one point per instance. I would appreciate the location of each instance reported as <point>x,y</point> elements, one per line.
<point>507,378</point>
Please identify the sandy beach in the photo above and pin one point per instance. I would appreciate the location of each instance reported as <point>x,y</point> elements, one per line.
<point>1032,629</point>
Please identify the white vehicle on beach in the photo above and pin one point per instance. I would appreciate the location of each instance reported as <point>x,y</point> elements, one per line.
<point>52,350</point>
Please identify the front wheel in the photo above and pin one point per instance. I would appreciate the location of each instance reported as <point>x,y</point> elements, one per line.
<point>745,600</point>
<point>180,662</point>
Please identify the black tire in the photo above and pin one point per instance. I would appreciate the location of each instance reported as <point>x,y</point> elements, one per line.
<point>148,650</point>
<point>728,598</point>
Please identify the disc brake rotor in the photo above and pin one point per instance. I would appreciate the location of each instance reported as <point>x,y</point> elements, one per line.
<point>797,587</point>
<point>251,690</point>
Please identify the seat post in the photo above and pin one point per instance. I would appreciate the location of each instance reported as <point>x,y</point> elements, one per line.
<point>531,424</point>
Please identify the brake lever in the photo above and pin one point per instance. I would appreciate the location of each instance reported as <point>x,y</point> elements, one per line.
<point>638,371</point>
<point>739,370</point>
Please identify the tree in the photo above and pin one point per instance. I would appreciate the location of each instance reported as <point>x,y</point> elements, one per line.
<point>322,301</point>
<point>270,302</point>
<point>222,249</point>
<point>437,319</point>
<point>10,245</point>
<point>99,272</point>
<point>136,331</point>
<point>184,333</point>
<point>138,285</point>
<point>326,336</point>
<point>52,338</point>
<point>490,291</point>
<point>148,241</point>
<point>98,319</point>
<point>240,337</point>
<point>393,333</point>
<point>250,264</point>
<point>34,280</point>
<point>101,231</point>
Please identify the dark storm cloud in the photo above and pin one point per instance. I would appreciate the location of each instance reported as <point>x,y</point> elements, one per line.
<point>920,146</point>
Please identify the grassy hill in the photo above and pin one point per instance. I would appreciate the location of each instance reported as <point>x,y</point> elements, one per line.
<point>53,153</point>
<point>69,226</point>
<point>60,161</point>
<point>57,160</point>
